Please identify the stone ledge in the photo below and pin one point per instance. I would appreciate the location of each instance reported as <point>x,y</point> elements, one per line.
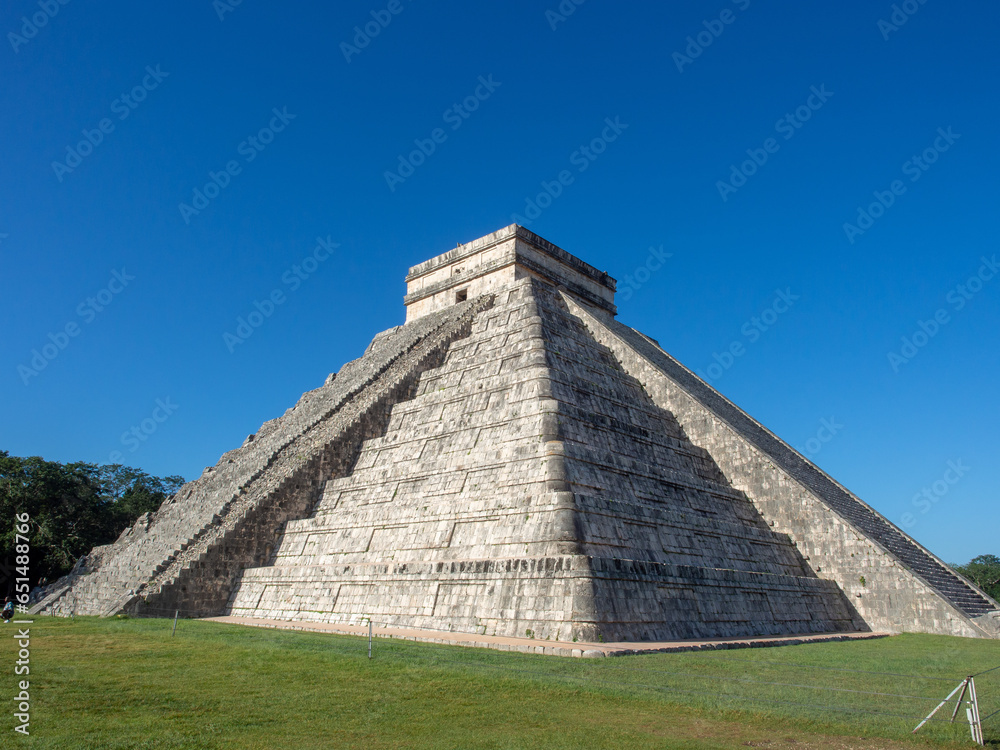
<point>502,235</point>
<point>579,649</point>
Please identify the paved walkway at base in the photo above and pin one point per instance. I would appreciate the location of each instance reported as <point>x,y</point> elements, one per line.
<point>552,648</point>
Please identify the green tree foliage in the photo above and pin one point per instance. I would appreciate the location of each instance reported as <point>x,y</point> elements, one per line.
<point>72,507</point>
<point>984,571</point>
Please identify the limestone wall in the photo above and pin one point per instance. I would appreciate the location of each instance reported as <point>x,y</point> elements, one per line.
<point>543,597</point>
<point>496,260</point>
<point>531,485</point>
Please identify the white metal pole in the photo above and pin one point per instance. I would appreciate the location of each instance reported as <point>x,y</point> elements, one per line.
<point>977,729</point>
<point>942,704</point>
<point>176,612</point>
<point>958,703</point>
<point>369,638</point>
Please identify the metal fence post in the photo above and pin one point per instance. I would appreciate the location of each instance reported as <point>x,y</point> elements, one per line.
<point>976,724</point>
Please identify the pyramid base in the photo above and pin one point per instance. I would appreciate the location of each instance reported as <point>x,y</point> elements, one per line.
<point>547,647</point>
<point>560,598</point>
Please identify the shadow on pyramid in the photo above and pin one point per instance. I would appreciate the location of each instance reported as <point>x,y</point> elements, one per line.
<point>513,461</point>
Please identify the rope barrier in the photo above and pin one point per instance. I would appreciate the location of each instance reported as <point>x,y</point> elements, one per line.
<point>146,613</point>
<point>714,694</point>
<point>782,684</point>
<point>837,669</point>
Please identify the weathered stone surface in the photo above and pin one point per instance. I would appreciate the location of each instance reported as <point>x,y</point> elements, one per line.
<point>893,582</point>
<point>228,518</point>
<point>515,462</point>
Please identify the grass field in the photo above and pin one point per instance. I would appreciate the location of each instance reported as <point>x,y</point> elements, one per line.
<point>129,684</point>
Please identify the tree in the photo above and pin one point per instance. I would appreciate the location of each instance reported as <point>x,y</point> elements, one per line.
<point>133,492</point>
<point>984,571</point>
<point>72,508</point>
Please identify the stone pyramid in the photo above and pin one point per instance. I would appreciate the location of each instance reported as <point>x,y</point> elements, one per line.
<point>514,461</point>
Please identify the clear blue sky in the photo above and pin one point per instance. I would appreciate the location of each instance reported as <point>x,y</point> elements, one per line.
<point>181,92</point>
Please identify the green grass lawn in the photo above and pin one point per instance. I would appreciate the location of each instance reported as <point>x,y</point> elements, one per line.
<point>129,684</point>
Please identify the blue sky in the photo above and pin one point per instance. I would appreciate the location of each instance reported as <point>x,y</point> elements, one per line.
<point>739,154</point>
